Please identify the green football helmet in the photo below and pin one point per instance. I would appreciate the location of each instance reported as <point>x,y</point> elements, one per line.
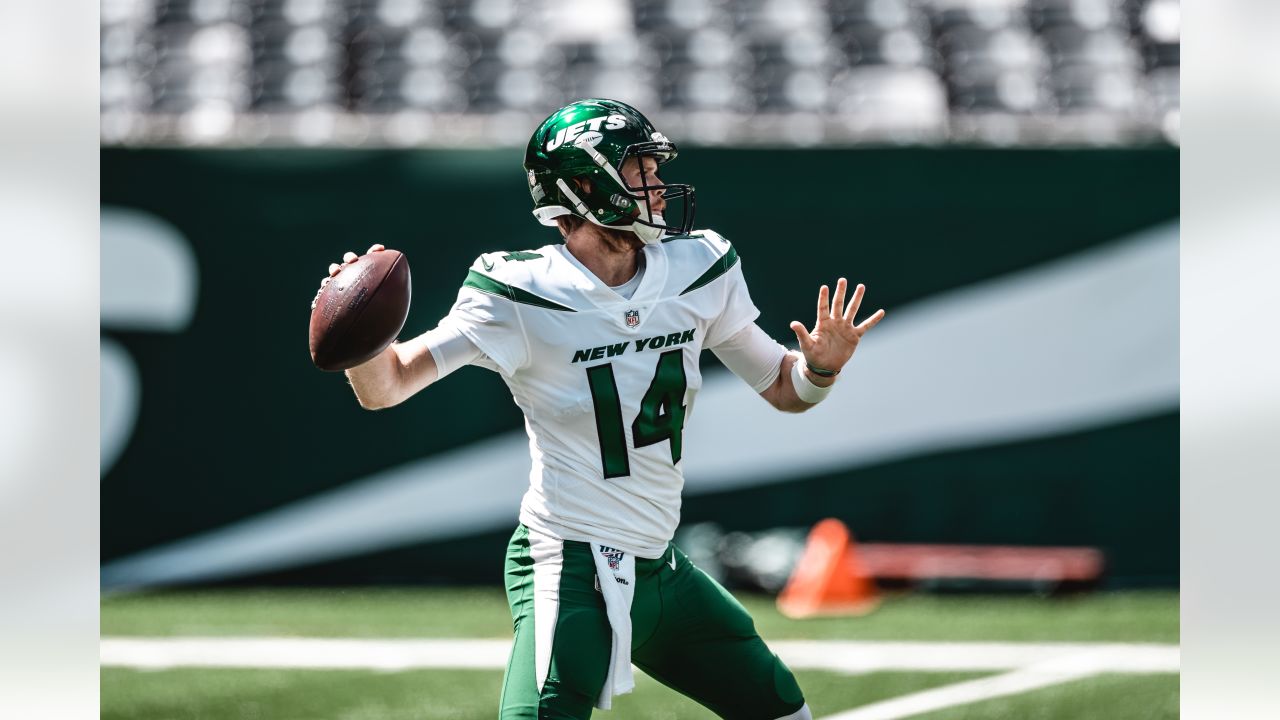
<point>592,138</point>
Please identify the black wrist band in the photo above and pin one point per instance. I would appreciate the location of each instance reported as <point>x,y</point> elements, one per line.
<point>820,372</point>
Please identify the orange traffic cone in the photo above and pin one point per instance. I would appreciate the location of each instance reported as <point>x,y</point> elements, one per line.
<point>828,580</point>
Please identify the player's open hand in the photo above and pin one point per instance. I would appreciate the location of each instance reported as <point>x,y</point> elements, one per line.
<point>335,268</point>
<point>834,336</point>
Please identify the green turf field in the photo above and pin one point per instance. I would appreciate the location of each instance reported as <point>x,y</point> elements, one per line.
<point>1111,617</point>
<point>418,695</point>
<point>289,694</point>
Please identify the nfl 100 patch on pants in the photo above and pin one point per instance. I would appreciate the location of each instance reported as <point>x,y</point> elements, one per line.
<point>688,633</point>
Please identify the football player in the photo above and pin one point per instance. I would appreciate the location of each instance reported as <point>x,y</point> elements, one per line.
<point>598,340</point>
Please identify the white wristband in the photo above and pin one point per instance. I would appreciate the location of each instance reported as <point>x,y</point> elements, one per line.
<point>805,389</point>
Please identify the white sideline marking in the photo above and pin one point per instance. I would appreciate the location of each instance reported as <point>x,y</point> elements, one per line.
<point>1028,666</point>
<point>1010,683</point>
<point>869,656</point>
<point>850,657</point>
<point>303,653</point>
<point>1065,668</point>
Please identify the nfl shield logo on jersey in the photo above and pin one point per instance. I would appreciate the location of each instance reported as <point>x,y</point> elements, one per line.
<point>633,318</point>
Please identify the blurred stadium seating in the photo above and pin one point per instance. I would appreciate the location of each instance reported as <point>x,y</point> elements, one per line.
<point>749,72</point>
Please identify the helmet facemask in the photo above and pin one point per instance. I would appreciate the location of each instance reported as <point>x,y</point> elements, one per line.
<point>648,225</point>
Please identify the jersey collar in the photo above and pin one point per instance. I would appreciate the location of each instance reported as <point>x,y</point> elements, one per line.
<point>614,305</point>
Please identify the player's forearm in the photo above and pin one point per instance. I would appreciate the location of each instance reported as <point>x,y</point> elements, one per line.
<point>394,376</point>
<point>782,393</point>
<point>377,382</point>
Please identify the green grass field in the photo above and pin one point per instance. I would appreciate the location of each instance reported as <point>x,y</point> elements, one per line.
<point>289,694</point>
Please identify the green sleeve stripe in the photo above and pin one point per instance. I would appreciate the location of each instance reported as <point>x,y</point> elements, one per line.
<point>721,266</point>
<point>486,284</point>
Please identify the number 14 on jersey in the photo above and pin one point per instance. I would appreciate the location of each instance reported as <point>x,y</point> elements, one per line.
<point>661,415</point>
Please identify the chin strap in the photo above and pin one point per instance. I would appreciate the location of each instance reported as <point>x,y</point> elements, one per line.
<point>649,235</point>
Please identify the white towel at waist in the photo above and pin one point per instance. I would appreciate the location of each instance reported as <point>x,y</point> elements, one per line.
<point>616,572</point>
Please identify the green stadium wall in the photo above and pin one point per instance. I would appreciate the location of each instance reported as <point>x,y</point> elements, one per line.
<point>233,421</point>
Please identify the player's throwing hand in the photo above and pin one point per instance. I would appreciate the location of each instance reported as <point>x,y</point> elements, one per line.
<point>834,336</point>
<point>335,268</point>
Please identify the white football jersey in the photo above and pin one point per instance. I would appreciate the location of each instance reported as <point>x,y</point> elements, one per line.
<point>606,384</point>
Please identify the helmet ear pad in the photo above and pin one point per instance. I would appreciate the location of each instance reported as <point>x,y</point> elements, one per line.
<point>584,186</point>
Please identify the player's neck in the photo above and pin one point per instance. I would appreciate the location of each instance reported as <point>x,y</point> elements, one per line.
<point>612,259</point>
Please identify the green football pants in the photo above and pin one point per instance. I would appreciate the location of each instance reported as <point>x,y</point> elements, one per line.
<point>688,633</point>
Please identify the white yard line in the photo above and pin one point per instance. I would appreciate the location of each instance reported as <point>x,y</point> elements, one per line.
<point>1009,683</point>
<point>1026,666</point>
<point>405,654</point>
<point>303,653</point>
<point>870,656</point>
<point>1065,668</point>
